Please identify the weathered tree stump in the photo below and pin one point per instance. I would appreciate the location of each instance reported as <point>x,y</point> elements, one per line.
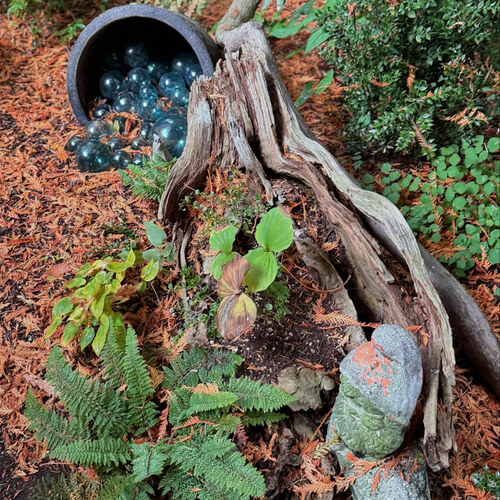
<point>244,117</point>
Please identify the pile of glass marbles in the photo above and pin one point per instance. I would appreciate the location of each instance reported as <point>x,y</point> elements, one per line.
<point>140,98</point>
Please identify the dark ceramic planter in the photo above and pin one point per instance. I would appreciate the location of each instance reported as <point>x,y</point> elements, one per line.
<point>165,33</point>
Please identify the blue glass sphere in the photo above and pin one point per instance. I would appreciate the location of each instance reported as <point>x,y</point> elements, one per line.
<point>114,62</point>
<point>169,129</point>
<point>182,61</point>
<point>149,108</point>
<point>73,143</point>
<point>93,156</point>
<point>98,128</point>
<point>180,96</point>
<point>157,68</point>
<point>111,84</point>
<point>176,111</point>
<point>138,143</point>
<point>177,149</point>
<point>147,90</point>
<point>124,103</point>
<point>120,159</point>
<point>192,73</point>
<point>116,142</point>
<point>138,160</point>
<point>101,111</point>
<point>170,81</point>
<point>136,54</point>
<point>145,131</point>
<point>136,78</point>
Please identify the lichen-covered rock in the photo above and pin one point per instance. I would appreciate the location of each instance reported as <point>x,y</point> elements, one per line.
<point>387,371</point>
<point>306,386</point>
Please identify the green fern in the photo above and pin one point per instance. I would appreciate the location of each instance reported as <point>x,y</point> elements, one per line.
<point>149,180</point>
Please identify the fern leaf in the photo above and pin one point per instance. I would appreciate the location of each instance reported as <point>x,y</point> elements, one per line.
<point>48,424</point>
<point>112,360</point>
<point>253,395</point>
<point>98,452</point>
<point>205,402</point>
<point>261,417</point>
<point>123,487</point>
<point>183,371</point>
<point>147,460</point>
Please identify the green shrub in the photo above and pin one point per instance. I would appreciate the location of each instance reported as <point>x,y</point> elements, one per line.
<point>112,421</point>
<point>414,73</point>
<point>455,201</point>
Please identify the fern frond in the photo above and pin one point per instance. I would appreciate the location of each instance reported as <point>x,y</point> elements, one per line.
<point>124,487</point>
<point>205,402</point>
<point>148,460</point>
<point>48,424</point>
<point>112,361</point>
<point>183,370</point>
<point>102,407</point>
<point>142,413</point>
<point>261,417</point>
<point>220,364</point>
<point>98,452</point>
<point>253,395</point>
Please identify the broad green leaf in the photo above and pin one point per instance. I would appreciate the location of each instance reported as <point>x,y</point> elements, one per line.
<point>150,271</point>
<point>52,328</point>
<point>325,82</point>
<point>232,276</point>
<point>76,315</point>
<point>100,336</point>
<point>153,253</point>
<point>307,92</point>
<point>75,283</point>
<point>493,144</point>
<point>97,306</point>
<point>70,331</point>
<point>62,307</point>
<point>274,231</point>
<point>120,330</point>
<point>235,315</point>
<point>317,38</point>
<point>223,240</point>
<point>221,259</point>
<point>118,267</point>
<point>263,269</point>
<point>92,288</point>
<point>87,337</point>
<point>169,253</point>
<point>156,235</point>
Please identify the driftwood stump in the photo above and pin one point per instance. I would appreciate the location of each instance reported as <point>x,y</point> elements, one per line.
<point>244,117</point>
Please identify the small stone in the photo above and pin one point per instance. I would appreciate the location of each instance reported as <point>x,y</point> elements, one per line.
<point>111,84</point>
<point>170,81</point>
<point>136,54</point>
<point>93,156</point>
<point>124,103</point>
<point>73,143</point>
<point>120,159</point>
<point>157,68</point>
<point>101,111</point>
<point>98,128</point>
<point>115,143</point>
<point>182,61</point>
<point>192,73</point>
<point>137,78</point>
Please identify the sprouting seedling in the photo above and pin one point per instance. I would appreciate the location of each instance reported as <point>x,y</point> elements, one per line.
<point>254,272</point>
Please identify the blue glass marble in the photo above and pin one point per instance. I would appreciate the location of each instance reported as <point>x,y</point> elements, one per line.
<point>116,142</point>
<point>157,68</point>
<point>111,84</point>
<point>169,129</point>
<point>136,54</point>
<point>177,149</point>
<point>73,143</point>
<point>182,61</point>
<point>138,160</point>
<point>180,96</point>
<point>98,128</point>
<point>93,156</point>
<point>138,143</point>
<point>101,111</point>
<point>192,73</point>
<point>120,159</point>
<point>147,90</point>
<point>114,62</point>
<point>176,111</point>
<point>149,108</point>
<point>145,131</point>
<point>170,81</point>
<point>124,103</point>
<point>136,78</point>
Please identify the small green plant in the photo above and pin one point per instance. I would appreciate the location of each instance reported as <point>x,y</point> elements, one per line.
<point>457,200</point>
<point>487,481</point>
<point>98,289</point>
<point>255,272</point>
<point>112,421</point>
<point>148,180</point>
<point>279,294</point>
